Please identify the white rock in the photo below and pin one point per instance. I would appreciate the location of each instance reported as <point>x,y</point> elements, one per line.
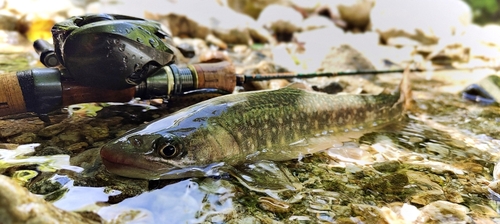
<point>316,45</point>
<point>251,8</point>
<point>421,20</point>
<point>207,17</point>
<point>356,12</point>
<point>444,212</point>
<point>316,22</point>
<point>409,212</point>
<point>281,21</point>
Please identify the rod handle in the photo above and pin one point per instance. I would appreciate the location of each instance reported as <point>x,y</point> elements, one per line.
<point>11,95</point>
<point>220,75</point>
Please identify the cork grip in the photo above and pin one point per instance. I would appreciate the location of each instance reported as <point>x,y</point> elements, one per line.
<point>219,75</point>
<point>11,95</point>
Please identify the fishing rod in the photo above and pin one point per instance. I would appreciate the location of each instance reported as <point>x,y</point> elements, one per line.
<point>115,58</point>
<point>241,79</point>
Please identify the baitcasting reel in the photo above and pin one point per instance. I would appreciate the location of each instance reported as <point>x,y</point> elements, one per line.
<point>102,58</point>
<point>110,51</point>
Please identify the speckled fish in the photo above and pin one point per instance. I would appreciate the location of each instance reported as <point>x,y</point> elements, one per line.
<point>272,125</point>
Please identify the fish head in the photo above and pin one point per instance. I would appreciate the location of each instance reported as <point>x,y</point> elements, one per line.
<point>146,156</point>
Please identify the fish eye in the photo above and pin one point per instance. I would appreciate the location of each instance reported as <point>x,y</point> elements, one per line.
<point>167,151</point>
<point>167,147</point>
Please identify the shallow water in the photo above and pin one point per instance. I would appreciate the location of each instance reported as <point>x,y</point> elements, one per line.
<point>444,151</point>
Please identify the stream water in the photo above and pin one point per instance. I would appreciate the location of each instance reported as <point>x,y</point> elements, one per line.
<point>441,158</point>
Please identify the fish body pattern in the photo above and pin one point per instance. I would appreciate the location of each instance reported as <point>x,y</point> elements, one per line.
<point>272,125</point>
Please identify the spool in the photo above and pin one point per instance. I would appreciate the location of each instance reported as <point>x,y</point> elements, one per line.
<point>11,95</point>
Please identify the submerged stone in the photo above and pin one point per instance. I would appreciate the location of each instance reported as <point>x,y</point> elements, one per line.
<point>18,205</point>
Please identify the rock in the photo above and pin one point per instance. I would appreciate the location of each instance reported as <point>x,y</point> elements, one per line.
<point>24,138</point>
<point>12,127</point>
<point>95,133</point>
<point>77,147</point>
<point>182,22</point>
<point>8,21</point>
<point>69,137</point>
<point>356,13</point>
<point>51,150</point>
<point>426,197</point>
<point>387,167</point>
<point>453,195</point>
<point>52,130</point>
<point>423,180</point>
<point>389,184</point>
<point>483,211</point>
<point>281,21</point>
<point>444,212</point>
<point>492,85</point>
<point>18,205</point>
<point>423,21</point>
<point>368,212</point>
<point>252,8</point>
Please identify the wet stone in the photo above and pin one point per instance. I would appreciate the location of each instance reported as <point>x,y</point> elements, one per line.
<point>426,197</point>
<point>10,128</point>
<point>388,184</point>
<point>69,137</point>
<point>110,122</point>
<point>340,210</point>
<point>52,130</point>
<point>387,167</point>
<point>50,150</point>
<point>79,146</point>
<point>45,185</point>
<point>453,195</point>
<point>7,132</point>
<point>483,211</point>
<point>95,133</point>
<point>367,212</point>
<point>470,167</point>
<point>18,205</point>
<point>273,205</point>
<point>423,180</point>
<point>444,212</point>
<point>24,138</point>
<point>127,186</point>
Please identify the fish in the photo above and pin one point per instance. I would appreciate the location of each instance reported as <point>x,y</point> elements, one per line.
<point>267,125</point>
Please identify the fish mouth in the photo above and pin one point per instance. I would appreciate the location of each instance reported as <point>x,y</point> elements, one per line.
<point>123,170</point>
<point>127,166</point>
